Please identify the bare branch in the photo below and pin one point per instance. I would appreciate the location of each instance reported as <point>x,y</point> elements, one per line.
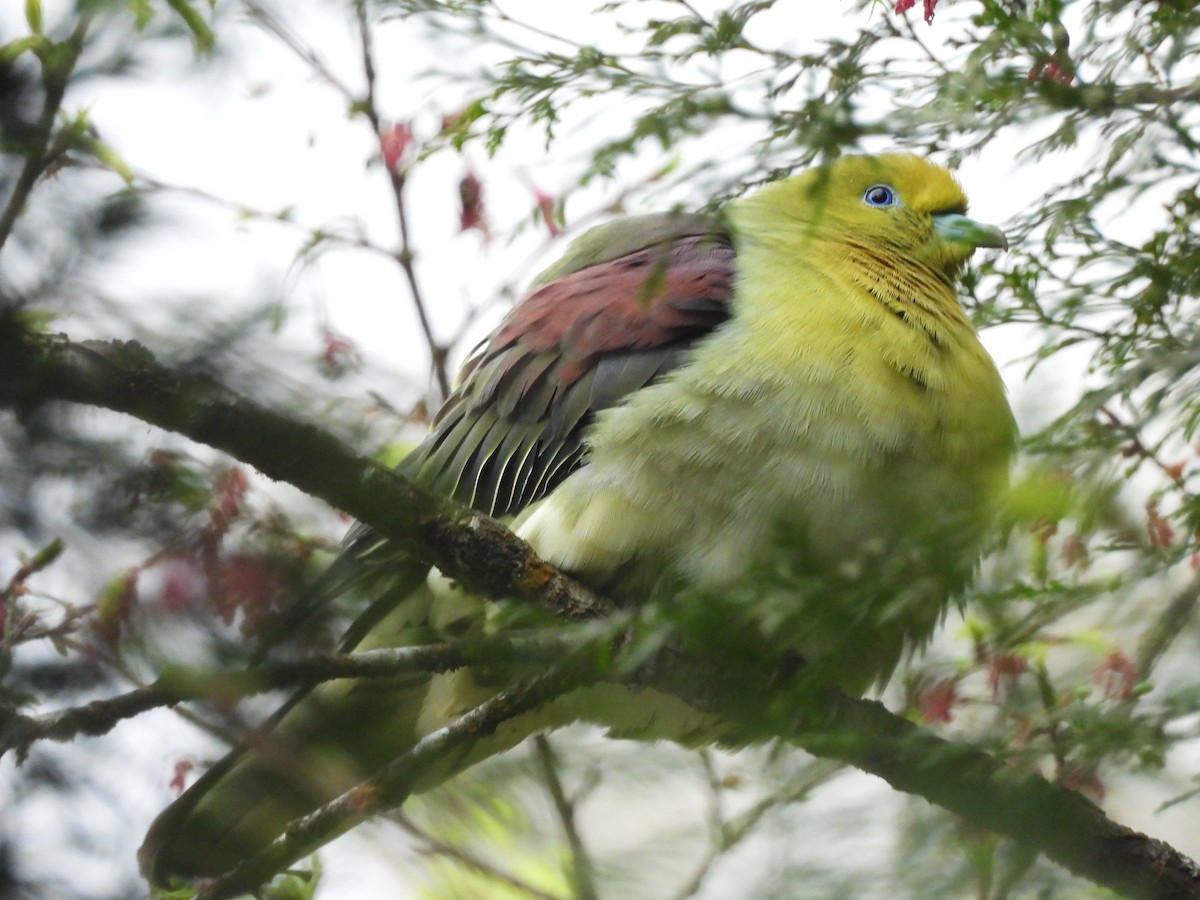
<point>180,684</point>
<point>398,176</point>
<point>54,81</point>
<point>433,845</point>
<point>100,716</point>
<point>581,868</point>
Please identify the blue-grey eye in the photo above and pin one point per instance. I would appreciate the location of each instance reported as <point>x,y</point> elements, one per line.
<point>879,195</point>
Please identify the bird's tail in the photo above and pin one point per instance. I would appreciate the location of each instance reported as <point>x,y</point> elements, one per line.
<point>321,743</point>
<point>331,738</point>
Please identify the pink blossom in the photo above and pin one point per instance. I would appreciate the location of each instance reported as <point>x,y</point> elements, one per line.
<point>339,354</point>
<point>179,780</point>
<point>1116,676</point>
<point>471,212</point>
<point>937,701</point>
<point>903,6</point>
<point>1003,666</point>
<point>545,205</point>
<point>392,144</point>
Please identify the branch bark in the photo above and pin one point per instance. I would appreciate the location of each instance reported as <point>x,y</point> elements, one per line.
<point>55,79</point>
<point>1064,825</point>
<point>19,732</point>
<point>390,786</point>
<point>466,545</point>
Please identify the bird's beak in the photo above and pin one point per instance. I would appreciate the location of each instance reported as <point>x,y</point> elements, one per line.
<point>961,230</point>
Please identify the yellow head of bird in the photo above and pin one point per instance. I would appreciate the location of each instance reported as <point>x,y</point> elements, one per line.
<point>904,205</point>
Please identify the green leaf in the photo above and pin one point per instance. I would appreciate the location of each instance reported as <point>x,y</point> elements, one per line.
<point>203,38</point>
<point>142,11</point>
<point>75,129</point>
<point>108,157</point>
<point>13,49</point>
<point>48,554</point>
<point>33,15</point>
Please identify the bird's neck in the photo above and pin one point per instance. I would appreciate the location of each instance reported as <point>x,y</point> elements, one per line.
<point>853,276</point>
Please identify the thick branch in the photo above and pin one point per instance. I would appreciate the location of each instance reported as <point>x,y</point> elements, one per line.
<point>468,546</point>
<point>1062,824</point>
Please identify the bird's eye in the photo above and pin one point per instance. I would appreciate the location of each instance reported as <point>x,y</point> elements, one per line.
<point>879,195</point>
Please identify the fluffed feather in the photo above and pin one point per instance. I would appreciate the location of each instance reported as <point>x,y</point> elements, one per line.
<point>679,405</point>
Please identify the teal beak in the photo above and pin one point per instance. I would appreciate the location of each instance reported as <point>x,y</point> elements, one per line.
<point>961,230</point>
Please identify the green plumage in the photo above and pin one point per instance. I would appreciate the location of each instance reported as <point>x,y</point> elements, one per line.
<point>760,410</point>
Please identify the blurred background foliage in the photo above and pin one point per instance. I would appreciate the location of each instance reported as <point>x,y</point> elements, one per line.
<point>1074,653</point>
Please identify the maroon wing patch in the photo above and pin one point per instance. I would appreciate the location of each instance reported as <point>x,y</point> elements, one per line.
<point>514,428</point>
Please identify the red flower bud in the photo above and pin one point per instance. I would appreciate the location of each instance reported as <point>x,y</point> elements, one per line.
<point>1116,676</point>
<point>470,195</point>
<point>937,701</point>
<point>392,144</point>
<point>545,205</point>
<point>903,6</point>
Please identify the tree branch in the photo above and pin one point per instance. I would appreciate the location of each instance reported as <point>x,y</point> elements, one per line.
<point>1064,825</point>
<point>18,732</point>
<point>466,545</point>
<point>1046,817</point>
<point>55,78</point>
<point>100,716</point>
<point>398,177</point>
<point>393,784</point>
<point>581,875</point>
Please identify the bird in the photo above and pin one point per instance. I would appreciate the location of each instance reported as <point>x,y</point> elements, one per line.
<point>685,408</point>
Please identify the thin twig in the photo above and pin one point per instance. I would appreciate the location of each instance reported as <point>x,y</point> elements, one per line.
<point>390,786</point>
<point>435,845</point>
<point>54,82</point>
<point>716,807</point>
<point>366,105</point>
<point>267,21</point>
<point>15,588</point>
<point>729,834</point>
<point>146,184</point>
<point>502,16</point>
<point>18,732</point>
<point>582,870</point>
<point>397,176</point>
